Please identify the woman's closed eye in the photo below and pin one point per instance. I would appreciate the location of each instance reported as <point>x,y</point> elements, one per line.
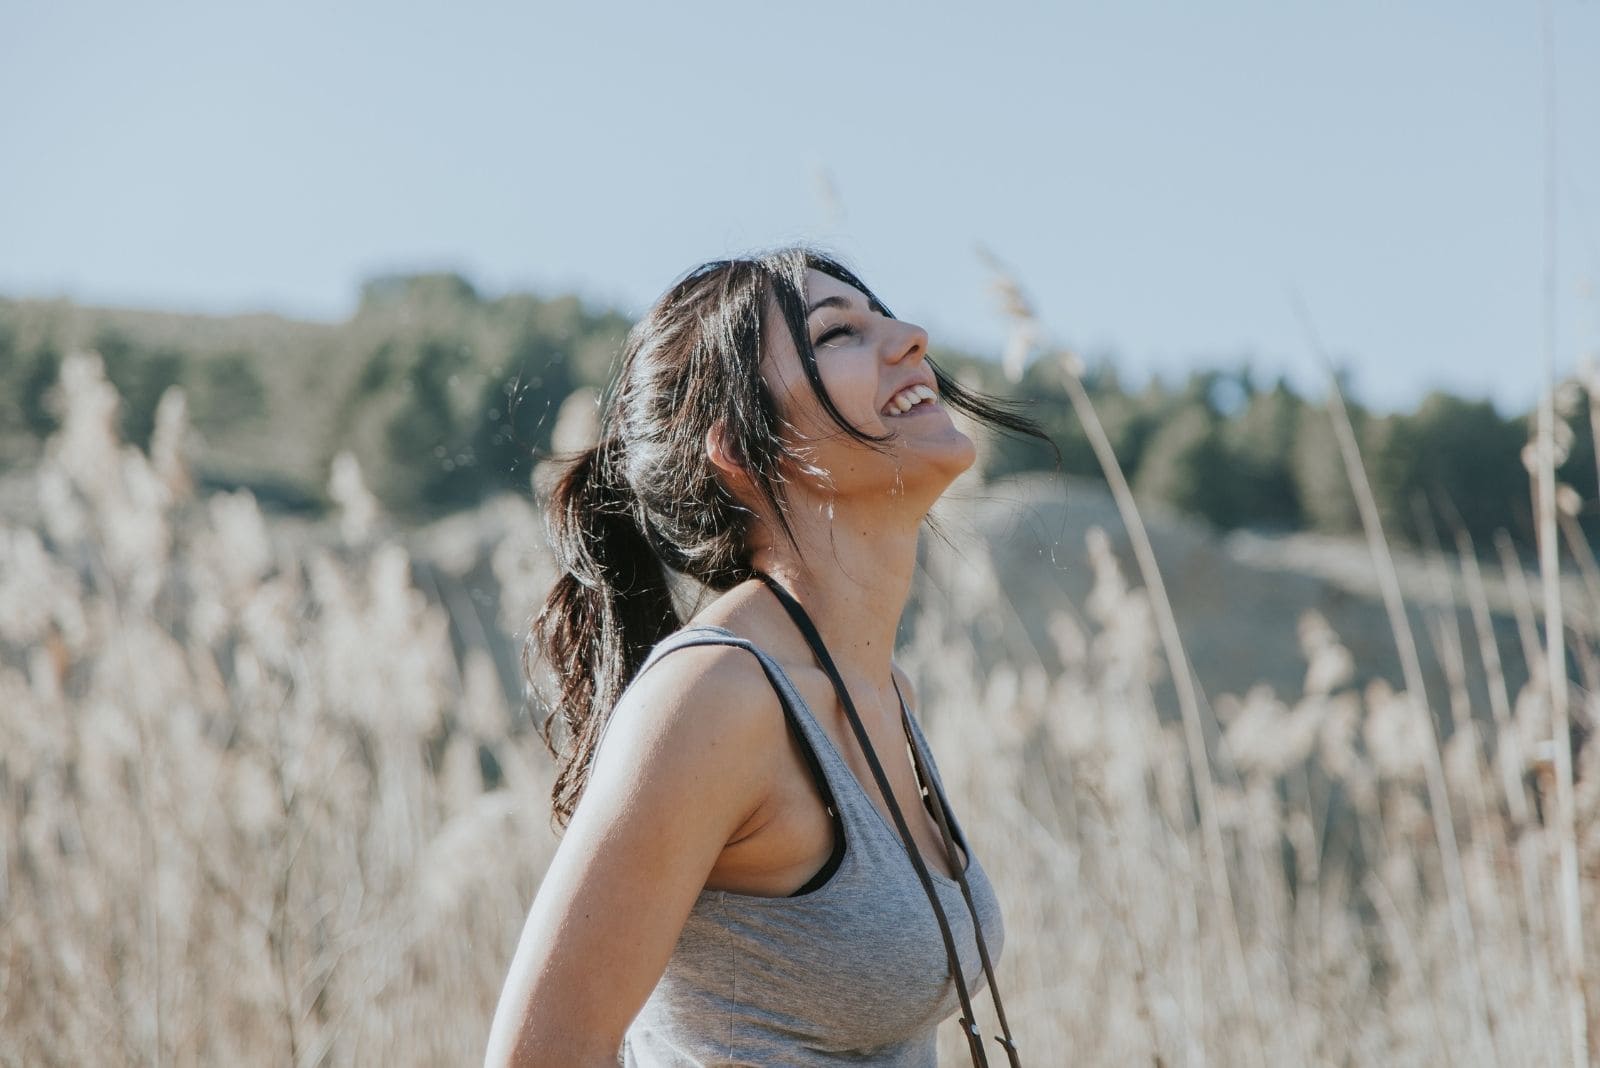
<point>832,332</point>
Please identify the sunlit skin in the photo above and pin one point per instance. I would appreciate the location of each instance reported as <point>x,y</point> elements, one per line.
<point>864,358</point>
<point>856,519</point>
<point>699,784</point>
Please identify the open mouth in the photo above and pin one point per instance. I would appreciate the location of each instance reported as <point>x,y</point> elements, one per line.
<point>912,399</point>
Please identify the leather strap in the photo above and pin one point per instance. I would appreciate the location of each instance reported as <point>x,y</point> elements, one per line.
<point>825,661</point>
<point>941,816</point>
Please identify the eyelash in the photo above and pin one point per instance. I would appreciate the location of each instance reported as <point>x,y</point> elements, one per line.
<point>831,332</point>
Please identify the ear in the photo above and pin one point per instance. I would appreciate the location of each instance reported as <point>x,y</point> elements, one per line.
<point>725,454</point>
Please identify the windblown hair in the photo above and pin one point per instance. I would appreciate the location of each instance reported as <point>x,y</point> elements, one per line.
<point>646,498</point>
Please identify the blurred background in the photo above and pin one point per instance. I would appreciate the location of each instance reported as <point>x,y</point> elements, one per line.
<point>1273,694</point>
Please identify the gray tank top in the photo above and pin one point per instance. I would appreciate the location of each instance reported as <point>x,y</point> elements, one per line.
<point>852,972</point>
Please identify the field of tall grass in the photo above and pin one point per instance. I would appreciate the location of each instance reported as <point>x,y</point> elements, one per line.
<point>266,800</point>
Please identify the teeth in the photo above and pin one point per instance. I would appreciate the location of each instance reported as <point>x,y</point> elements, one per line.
<point>909,398</point>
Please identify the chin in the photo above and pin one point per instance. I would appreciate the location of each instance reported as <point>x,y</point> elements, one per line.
<point>969,453</point>
<point>942,466</point>
<point>959,454</point>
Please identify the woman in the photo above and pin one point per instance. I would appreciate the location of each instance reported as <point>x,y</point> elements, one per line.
<point>735,884</point>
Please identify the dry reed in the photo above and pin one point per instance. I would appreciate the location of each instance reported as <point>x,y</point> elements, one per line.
<point>266,802</point>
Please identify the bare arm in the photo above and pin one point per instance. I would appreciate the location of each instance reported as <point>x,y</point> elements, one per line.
<point>686,763</point>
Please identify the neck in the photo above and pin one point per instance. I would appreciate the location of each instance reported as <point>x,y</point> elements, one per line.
<point>852,575</point>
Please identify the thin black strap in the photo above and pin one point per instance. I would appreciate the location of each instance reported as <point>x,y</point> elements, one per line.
<point>825,661</point>
<point>940,808</point>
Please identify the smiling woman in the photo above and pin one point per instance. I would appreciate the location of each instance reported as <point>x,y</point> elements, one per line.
<point>744,879</point>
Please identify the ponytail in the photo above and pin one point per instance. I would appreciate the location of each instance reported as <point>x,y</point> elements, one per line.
<point>609,607</point>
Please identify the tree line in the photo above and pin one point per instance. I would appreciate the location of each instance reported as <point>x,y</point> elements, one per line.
<point>447,396</point>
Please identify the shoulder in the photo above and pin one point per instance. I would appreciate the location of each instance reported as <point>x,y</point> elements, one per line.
<point>700,715</point>
<point>701,688</point>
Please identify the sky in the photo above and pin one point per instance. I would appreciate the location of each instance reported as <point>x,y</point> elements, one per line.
<point>1168,181</point>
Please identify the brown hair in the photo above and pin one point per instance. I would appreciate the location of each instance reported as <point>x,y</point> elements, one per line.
<point>646,498</point>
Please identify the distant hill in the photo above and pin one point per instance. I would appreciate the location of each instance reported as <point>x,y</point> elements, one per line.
<point>443,396</point>
<point>1019,547</point>
<point>447,396</point>
<point>1237,597</point>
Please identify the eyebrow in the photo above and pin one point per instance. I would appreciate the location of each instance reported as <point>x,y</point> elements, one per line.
<point>835,301</point>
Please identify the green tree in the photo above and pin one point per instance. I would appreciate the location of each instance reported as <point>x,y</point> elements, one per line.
<point>1186,464</point>
<point>1260,442</point>
<point>1321,485</point>
<point>1451,457</point>
<point>518,410</point>
<point>424,295</point>
<point>227,393</point>
<point>26,381</point>
<point>140,375</point>
<point>1579,471</point>
<point>430,461</point>
<point>40,412</point>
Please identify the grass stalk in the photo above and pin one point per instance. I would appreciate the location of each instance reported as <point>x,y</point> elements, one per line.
<point>1522,607</point>
<point>1588,567</point>
<point>1182,676</point>
<point>1565,819</point>
<point>1550,573</point>
<point>1411,669</point>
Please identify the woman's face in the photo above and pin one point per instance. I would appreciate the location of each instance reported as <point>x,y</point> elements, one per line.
<point>872,366</point>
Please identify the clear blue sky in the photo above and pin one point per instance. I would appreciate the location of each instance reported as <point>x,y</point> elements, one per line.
<point>1158,174</point>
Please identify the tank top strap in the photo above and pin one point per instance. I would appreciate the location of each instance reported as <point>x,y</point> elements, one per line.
<point>815,745</point>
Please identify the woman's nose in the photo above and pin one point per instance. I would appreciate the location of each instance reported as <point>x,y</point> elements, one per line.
<point>910,342</point>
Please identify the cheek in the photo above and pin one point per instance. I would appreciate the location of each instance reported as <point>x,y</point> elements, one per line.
<point>852,392</point>
<point>854,388</point>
